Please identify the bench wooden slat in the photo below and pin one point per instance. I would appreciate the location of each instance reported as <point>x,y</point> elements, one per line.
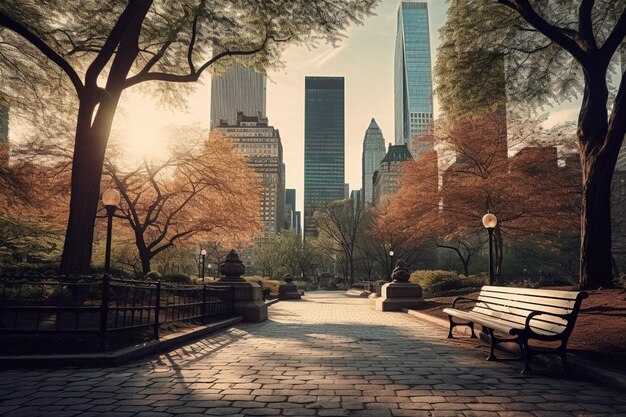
<point>565,295</point>
<point>536,324</point>
<point>523,310</point>
<point>523,305</point>
<point>500,325</point>
<point>530,299</point>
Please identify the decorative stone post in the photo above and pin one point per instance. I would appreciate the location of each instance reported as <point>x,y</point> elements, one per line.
<point>399,293</point>
<point>287,290</point>
<point>248,295</point>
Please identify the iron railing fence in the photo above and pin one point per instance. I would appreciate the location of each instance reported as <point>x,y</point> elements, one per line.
<point>30,306</point>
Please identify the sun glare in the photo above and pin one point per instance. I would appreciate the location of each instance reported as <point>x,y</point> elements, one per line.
<point>144,133</point>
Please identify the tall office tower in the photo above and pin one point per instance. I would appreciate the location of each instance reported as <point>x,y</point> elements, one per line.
<point>413,86</point>
<point>290,210</point>
<point>260,144</point>
<point>388,173</point>
<point>237,89</point>
<point>373,153</point>
<point>324,145</point>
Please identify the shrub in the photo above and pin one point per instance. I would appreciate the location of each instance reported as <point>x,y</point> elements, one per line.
<point>441,283</point>
<point>305,285</point>
<point>429,278</point>
<point>272,284</point>
<point>153,276</point>
<point>176,278</point>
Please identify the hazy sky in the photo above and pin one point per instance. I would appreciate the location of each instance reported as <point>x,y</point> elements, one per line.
<point>364,58</point>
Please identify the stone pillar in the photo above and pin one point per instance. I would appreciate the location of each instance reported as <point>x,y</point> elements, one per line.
<point>287,290</point>
<point>399,293</point>
<point>248,295</point>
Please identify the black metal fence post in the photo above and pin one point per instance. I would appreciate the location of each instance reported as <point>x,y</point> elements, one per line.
<point>157,309</point>
<point>104,310</point>
<point>204,304</point>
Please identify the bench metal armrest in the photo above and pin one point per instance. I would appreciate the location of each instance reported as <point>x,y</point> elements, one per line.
<point>533,314</point>
<point>461,298</point>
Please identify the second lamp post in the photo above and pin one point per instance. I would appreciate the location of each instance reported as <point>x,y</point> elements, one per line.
<point>490,221</point>
<point>203,253</point>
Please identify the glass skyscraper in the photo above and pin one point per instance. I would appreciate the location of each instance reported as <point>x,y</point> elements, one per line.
<point>324,148</point>
<point>413,85</point>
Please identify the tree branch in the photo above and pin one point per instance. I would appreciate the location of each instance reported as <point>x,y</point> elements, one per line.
<point>616,37</point>
<point>38,43</point>
<point>526,10</point>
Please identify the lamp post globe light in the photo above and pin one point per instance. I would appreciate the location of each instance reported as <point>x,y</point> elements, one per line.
<point>203,253</point>
<point>490,221</point>
<point>209,268</point>
<point>111,200</point>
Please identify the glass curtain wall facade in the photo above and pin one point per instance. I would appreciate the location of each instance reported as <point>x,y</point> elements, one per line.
<point>324,145</point>
<point>413,84</point>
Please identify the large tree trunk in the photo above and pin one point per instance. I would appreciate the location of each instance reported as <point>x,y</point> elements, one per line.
<point>598,152</point>
<point>92,135</point>
<point>89,149</point>
<point>595,231</point>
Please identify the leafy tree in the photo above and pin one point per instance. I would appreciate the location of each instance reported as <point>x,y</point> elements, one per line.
<point>532,197</point>
<point>107,47</point>
<point>344,222</point>
<point>387,235</point>
<point>553,50</point>
<point>466,249</point>
<point>266,258</point>
<point>196,193</point>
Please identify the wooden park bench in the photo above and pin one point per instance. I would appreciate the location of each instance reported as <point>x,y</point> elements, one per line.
<point>523,314</point>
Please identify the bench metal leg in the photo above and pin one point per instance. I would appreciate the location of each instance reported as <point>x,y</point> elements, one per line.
<point>492,344</point>
<point>526,355</point>
<point>562,352</point>
<point>453,325</point>
<point>473,336</point>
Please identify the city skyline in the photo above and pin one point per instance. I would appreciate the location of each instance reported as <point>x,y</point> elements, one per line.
<point>366,54</point>
<point>364,57</point>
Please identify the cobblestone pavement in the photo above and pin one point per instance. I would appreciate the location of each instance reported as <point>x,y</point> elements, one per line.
<point>327,355</point>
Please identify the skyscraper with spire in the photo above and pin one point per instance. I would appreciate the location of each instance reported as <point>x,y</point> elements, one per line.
<point>373,152</point>
<point>413,86</point>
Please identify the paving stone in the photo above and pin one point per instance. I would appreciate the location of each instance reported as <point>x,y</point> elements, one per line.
<point>327,356</point>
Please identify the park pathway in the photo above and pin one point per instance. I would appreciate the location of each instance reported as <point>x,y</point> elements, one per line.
<point>327,355</point>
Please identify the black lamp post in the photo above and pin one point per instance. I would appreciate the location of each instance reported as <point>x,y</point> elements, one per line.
<point>110,199</point>
<point>391,269</point>
<point>203,253</point>
<point>209,268</point>
<point>490,221</point>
